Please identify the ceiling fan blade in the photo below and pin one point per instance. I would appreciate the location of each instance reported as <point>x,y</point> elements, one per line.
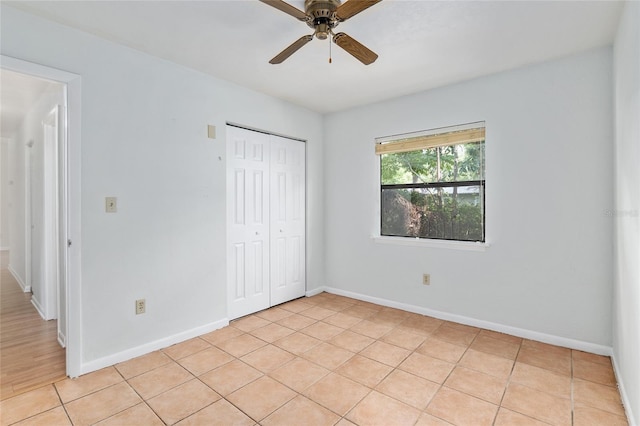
<point>293,48</point>
<point>355,48</point>
<point>286,8</point>
<point>352,7</point>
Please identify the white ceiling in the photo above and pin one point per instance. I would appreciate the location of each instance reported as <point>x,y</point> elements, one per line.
<point>421,44</point>
<point>18,93</point>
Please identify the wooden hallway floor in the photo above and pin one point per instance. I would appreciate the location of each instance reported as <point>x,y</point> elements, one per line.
<point>30,355</point>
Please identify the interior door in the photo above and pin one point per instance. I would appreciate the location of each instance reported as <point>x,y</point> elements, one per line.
<point>248,222</point>
<point>287,195</point>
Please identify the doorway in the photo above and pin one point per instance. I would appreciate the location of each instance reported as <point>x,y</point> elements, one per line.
<point>265,220</point>
<point>56,187</point>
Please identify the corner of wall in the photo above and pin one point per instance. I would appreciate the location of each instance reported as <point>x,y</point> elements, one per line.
<point>626,287</point>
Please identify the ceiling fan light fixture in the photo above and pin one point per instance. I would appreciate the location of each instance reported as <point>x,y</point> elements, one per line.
<point>322,31</point>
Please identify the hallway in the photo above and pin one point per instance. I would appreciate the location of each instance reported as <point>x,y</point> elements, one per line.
<point>30,355</point>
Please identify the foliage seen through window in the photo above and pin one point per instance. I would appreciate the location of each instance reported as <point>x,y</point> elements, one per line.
<point>435,193</point>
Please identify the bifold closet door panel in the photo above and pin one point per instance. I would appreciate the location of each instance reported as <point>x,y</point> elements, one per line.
<point>248,261</point>
<point>288,200</point>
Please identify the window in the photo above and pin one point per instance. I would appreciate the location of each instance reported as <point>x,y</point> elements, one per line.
<point>432,184</point>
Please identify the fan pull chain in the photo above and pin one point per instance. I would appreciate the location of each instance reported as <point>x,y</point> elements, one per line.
<point>329,49</point>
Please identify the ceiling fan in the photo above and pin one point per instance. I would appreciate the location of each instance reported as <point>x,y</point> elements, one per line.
<point>323,16</point>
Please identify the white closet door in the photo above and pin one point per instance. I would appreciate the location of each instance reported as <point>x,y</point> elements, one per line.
<point>287,194</point>
<point>248,287</point>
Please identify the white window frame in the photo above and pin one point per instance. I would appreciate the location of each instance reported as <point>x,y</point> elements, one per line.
<point>424,242</point>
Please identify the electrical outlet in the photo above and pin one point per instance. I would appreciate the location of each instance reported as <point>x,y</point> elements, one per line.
<point>140,306</point>
<point>426,279</point>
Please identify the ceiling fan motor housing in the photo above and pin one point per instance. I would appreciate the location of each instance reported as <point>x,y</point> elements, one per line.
<point>323,16</point>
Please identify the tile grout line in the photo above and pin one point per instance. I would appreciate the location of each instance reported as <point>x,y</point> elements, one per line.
<point>45,411</point>
<point>62,404</point>
<point>506,386</point>
<point>442,385</point>
<point>141,397</point>
<point>495,416</point>
<point>356,404</point>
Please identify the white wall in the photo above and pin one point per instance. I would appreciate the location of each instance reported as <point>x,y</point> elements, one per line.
<point>626,294</point>
<point>144,140</point>
<point>4,193</point>
<point>548,187</point>
<point>16,213</point>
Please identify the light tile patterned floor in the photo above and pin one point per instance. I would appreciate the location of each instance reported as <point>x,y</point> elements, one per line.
<point>330,360</point>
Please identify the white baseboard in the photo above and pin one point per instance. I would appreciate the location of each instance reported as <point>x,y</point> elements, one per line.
<point>315,291</point>
<point>514,331</point>
<point>623,393</point>
<point>62,339</point>
<point>109,360</point>
<point>25,288</point>
<point>35,303</point>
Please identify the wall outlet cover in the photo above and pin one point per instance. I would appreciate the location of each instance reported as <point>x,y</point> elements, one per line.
<point>140,306</point>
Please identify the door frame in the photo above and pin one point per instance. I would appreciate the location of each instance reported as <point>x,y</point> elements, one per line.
<point>28,220</point>
<point>70,208</point>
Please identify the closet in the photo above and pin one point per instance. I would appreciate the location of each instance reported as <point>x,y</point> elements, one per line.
<point>265,220</point>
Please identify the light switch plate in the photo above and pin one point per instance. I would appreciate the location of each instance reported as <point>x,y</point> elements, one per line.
<point>211,131</point>
<point>110,204</point>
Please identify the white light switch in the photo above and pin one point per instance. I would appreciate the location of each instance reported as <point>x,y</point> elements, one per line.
<point>110,204</point>
<point>211,131</point>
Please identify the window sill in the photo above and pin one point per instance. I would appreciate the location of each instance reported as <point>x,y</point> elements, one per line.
<point>420,242</point>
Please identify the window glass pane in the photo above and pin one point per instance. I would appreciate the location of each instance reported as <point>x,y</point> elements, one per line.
<point>452,163</point>
<point>451,213</point>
